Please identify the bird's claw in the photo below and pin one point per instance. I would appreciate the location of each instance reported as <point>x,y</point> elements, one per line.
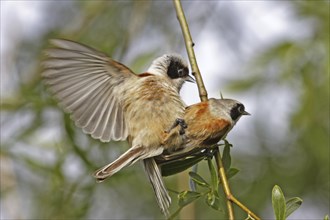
<point>182,123</point>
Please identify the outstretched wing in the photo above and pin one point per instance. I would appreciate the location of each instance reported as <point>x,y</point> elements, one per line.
<point>83,80</point>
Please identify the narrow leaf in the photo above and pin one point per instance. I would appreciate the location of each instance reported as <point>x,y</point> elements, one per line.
<point>187,197</point>
<point>210,198</point>
<point>232,172</point>
<point>198,179</point>
<point>227,143</point>
<point>172,217</point>
<point>213,200</point>
<point>214,176</point>
<point>226,158</point>
<point>278,202</point>
<point>292,204</point>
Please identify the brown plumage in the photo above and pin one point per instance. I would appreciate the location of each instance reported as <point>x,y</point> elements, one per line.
<point>110,102</point>
<point>208,122</point>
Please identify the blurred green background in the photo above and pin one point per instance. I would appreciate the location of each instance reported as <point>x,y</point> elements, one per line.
<point>271,55</point>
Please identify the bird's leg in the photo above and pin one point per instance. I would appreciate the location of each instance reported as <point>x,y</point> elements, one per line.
<point>209,152</point>
<point>182,123</point>
<point>174,137</point>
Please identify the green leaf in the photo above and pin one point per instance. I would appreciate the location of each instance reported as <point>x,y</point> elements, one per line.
<point>232,172</point>
<point>326,217</point>
<point>214,176</point>
<point>226,158</point>
<point>187,197</point>
<point>227,143</point>
<point>198,179</point>
<point>210,198</point>
<point>213,200</point>
<point>175,213</point>
<point>278,202</point>
<point>291,205</point>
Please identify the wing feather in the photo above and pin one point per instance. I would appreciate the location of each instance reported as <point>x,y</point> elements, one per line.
<point>121,130</point>
<point>84,82</point>
<point>103,117</point>
<point>97,115</point>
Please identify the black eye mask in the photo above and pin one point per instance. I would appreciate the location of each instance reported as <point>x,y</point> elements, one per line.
<point>177,70</point>
<point>237,111</point>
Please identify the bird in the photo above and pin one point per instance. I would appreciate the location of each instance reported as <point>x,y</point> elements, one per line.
<point>110,102</point>
<point>207,123</point>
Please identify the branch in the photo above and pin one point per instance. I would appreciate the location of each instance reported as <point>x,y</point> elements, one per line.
<point>203,96</point>
<point>227,191</point>
<point>190,50</point>
<point>224,181</point>
<point>243,207</point>
<point>201,89</point>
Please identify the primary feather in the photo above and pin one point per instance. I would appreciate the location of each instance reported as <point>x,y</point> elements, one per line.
<point>107,100</point>
<point>84,81</point>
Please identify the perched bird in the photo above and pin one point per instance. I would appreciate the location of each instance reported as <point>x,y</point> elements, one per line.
<point>207,123</point>
<point>110,102</point>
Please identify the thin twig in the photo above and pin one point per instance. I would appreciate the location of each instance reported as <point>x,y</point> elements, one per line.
<point>243,207</point>
<point>203,96</point>
<point>201,88</point>
<point>190,50</point>
<point>229,195</point>
<point>224,181</point>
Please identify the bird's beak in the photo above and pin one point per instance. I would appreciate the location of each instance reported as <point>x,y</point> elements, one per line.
<point>190,79</point>
<point>245,113</point>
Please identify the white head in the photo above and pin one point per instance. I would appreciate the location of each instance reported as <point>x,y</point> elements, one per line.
<point>232,108</point>
<point>172,66</point>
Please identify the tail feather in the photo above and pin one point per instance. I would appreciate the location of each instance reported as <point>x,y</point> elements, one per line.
<point>155,177</point>
<point>126,159</point>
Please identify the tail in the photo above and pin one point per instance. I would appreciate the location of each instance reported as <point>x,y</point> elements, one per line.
<point>128,158</point>
<point>155,177</point>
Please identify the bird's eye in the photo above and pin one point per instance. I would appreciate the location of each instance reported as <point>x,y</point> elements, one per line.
<point>176,69</point>
<point>241,108</point>
<point>180,72</point>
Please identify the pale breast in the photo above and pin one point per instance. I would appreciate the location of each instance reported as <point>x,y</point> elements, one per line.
<point>151,107</point>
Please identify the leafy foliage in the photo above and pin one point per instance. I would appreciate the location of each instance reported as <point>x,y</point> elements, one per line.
<point>282,208</point>
<point>46,161</point>
<point>208,189</point>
